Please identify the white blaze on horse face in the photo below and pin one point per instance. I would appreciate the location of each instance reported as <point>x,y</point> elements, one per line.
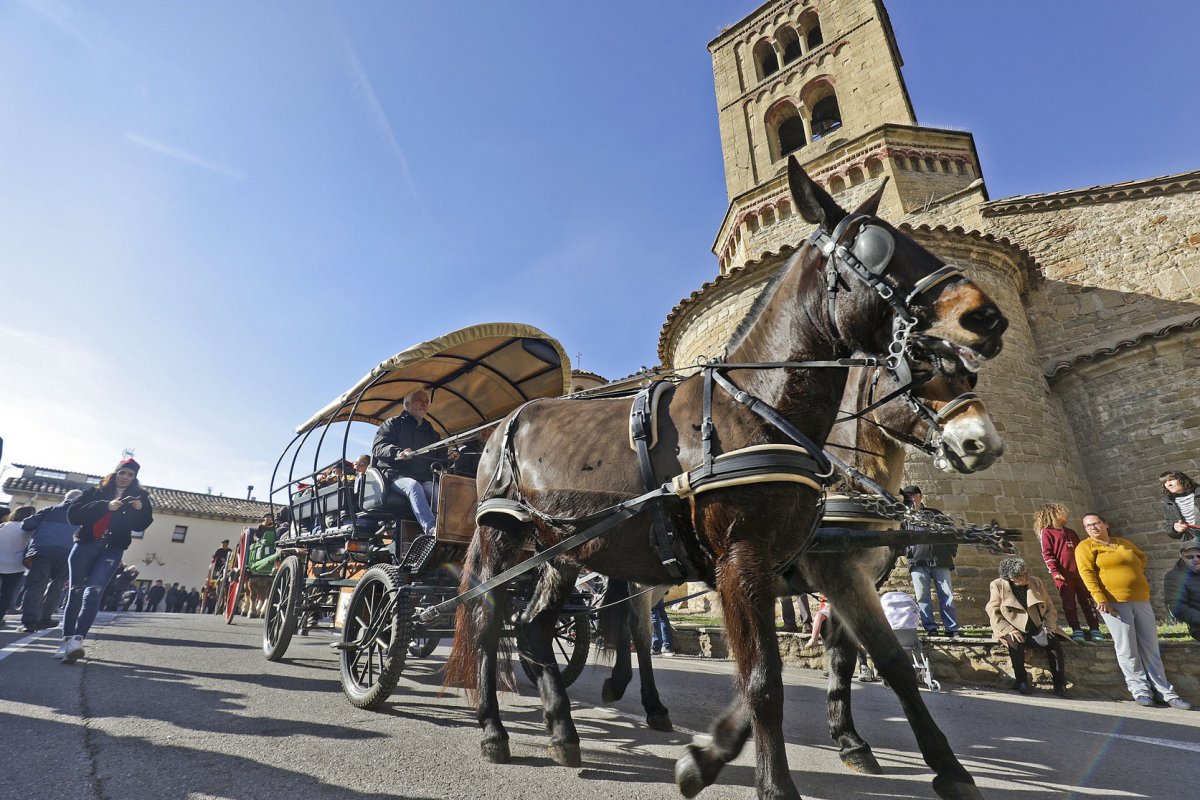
<point>973,438</point>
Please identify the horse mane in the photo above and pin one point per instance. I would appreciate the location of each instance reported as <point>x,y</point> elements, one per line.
<point>757,307</point>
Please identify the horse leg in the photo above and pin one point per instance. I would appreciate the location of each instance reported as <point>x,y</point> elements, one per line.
<point>749,606</point>
<point>657,716</point>
<point>843,656</point>
<point>615,631</point>
<point>547,602</point>
<point>863,615</point>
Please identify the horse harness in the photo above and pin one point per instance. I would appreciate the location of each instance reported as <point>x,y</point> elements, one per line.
<point>855,245</point>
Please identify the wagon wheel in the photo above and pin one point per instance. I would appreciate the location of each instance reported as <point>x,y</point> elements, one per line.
<point>238,574</point>
<point>375,637</point>
<point>422,646</point>
<point>571,645</point>
<point>279,619</point>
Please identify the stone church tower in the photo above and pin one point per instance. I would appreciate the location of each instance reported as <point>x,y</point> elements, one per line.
<point>1095,392</point>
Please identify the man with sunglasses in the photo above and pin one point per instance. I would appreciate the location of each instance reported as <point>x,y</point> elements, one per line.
<point>1181,587</point>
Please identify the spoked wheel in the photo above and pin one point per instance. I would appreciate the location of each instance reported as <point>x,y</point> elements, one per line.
<point>571,644</point>
<point>422,647</point>
<point>279,620</point>
<point>238,576</point>
<point>375,637</point>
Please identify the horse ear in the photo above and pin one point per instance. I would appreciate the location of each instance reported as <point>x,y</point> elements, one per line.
<point>812,202</point>
<point>870,206</point>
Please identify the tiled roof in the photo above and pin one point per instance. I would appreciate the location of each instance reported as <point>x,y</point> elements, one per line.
<point>1127,190</point>
<point>166,501</point>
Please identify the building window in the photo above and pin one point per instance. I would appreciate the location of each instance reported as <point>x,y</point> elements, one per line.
<point>814,38</point>
<point>790,42</point>
<point>94,480</point>
<point>765,59</point>
<point>50,473</point>
<point>826,117</point>
<point>180,533</point>
<point>791,135</point>
<point>137,534</point>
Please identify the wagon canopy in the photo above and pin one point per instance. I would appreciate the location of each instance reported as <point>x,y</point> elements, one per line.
<point>475,375</point>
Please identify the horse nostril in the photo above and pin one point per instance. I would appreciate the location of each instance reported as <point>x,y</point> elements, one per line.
<point>985,320</point>
<point>973,446</point>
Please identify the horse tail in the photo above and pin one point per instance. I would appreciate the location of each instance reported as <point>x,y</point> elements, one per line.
<point>613,618</point>
<point>462,667</point>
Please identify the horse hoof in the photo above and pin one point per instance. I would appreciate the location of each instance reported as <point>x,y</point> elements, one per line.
<point>957,789</point>
<point>660,722</point>
<point>566,755</point>
<point>687,774</point>
<point>496,752</point>
<point>861,760</point>
<point>611,693</point>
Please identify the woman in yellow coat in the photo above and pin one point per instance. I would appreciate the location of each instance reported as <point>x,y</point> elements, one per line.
<point>1022,615</point>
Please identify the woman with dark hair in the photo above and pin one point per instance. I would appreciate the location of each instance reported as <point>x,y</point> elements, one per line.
<point>108,513</point>
<point>1022,615</point>
<point>1180,505</point>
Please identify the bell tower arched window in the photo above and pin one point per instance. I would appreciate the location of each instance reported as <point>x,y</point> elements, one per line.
<point>789,42</point>
<point>826,117</point>
<point>813,38</point>
<point>786,129</point>
<point>792,135</point>
<point>765,60</point>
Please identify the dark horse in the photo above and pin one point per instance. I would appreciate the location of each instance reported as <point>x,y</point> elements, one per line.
<point>564,459</point>
<point>876,446</point>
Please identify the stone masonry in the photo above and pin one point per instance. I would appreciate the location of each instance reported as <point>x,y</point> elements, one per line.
<point>1094,393</point>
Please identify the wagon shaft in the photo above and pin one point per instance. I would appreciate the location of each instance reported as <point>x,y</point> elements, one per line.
<point>832,540</point>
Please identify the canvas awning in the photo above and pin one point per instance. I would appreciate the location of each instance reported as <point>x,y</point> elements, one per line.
<point>475,375</point>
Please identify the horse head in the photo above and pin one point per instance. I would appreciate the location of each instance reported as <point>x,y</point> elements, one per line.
<point>872,270</point>
<point>943,417</point>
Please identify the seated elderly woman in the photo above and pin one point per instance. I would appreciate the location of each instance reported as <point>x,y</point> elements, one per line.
<point>394,452</point>
<point>1022,614</point>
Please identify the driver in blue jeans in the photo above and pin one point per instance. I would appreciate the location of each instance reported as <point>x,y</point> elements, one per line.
<point>929,566</point>
<point>394,454</point>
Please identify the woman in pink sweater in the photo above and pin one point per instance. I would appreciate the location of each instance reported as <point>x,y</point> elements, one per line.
<point>1058,551</point>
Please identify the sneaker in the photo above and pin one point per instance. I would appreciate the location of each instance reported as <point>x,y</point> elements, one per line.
<point>1144,700</point>
<point>29,628</point>
<point>656,652</point>
<point>866,675</point>
<point>1180,704</point>
<point>1077,636</point>
<point>73,649</point>
<point>1024,688</point>
<point>1061,691</point>
<point>668,652</point>
<point>954,635</point>
<point>1097,636</point>
<point>62,649</point>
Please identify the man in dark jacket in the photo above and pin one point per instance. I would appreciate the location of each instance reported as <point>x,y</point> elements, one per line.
<point>46,558</point>
<point>393,453</point>
<point>154,596</point>
<point>1180,505</point>
<point>1181,587</point>
<point>929,566</point>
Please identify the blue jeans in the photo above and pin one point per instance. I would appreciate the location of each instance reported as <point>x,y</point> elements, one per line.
<point>45,572</point>
<point>418,494</point>
<point>92,565</point>
<point>661,635</point>
<point>922,577</point>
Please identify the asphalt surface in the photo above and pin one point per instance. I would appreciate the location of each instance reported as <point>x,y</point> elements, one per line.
<point>178,707</point>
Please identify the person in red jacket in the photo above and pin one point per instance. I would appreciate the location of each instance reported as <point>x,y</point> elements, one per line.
<point>1058,551</point>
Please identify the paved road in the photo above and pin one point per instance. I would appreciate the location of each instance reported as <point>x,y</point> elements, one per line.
<point>176,707</point>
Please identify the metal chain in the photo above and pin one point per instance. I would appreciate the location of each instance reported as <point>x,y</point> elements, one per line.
<point>990,536</point>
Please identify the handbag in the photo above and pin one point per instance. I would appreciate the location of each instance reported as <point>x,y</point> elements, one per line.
<point>1042,637</point>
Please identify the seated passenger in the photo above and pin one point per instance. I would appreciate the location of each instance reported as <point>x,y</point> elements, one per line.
<point>392,453</point>
<point>466,458</point>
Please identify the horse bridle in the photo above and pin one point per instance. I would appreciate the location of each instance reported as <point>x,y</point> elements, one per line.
<point>864,249</point>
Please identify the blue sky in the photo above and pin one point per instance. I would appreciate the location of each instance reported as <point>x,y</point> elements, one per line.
<point>217,216</point>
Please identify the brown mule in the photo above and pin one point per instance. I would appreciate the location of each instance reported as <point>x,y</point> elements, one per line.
<point>565,459</point>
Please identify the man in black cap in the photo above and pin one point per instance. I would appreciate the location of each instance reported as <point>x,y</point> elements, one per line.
<point>1181,587</point>
<point>929,566</point>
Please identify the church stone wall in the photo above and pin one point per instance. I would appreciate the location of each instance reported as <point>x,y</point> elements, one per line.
<point>1111,268</point>
<point>1136,414</point>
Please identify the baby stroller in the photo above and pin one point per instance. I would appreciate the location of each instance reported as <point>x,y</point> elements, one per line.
<point>901,612</point>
